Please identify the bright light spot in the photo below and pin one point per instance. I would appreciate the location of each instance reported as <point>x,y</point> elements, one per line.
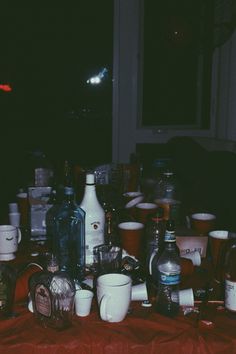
<point>97,79</point>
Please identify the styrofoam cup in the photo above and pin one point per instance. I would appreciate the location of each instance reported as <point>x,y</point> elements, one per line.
<point>186,297</point>
<point>139,292</point>
<point>83,302</point>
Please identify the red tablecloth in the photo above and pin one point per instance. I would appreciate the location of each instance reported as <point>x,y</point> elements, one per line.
<point>142,331</point>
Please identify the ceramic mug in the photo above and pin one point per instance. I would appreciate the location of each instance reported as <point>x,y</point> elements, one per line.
<point>10,237</point>
<point>114,296</point>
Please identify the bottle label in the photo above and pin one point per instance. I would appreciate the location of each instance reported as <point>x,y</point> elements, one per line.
<point>94,237</point>
<point>230,295</point>
<point>170,236</point>
<point>169,278</point>
<point>43,300</point>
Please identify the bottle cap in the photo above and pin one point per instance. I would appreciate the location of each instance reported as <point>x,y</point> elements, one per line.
<point>90,179</point>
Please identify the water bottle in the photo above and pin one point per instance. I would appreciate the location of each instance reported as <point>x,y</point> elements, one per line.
<point>169,270</point>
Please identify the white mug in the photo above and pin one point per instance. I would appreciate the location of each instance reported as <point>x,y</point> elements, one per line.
<point>114,296</point>
<point>10,237</point>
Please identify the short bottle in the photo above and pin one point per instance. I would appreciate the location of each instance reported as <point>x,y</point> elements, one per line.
<point>94,219</point>
<point>230,279</point>
<point>68,235</point>
<point>169,271</point>
<point>52,293</point>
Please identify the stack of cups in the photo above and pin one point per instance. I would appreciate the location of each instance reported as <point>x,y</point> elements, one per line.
<point>14,215</point>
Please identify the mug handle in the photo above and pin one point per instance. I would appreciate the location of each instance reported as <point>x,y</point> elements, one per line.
<point>103,305</point>
<point>19,234</point>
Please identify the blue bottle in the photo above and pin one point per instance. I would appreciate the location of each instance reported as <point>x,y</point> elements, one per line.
<point>68,233</point>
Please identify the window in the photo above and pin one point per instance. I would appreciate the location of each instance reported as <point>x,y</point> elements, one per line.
<point>177,57</point>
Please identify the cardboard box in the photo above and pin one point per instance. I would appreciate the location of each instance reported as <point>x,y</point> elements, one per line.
<point>188,244</point>
<point>38,198</point>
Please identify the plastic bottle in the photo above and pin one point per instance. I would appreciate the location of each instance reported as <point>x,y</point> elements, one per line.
<point>94,219</point>
<point>169,271</point>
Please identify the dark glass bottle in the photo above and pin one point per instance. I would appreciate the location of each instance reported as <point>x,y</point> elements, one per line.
<point>169,270</point>
<point>230,278</point>
<point>68,234</point>
<point>54,204</point>
<point>7,289</point>
<point>52,293</point>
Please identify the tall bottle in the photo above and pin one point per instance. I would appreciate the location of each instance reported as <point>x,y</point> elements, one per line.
<point>68,229</point>
<point>52,293</point>
<point>230,279</point>
<point>169,271</point>
<point>155,230</point>
<point>94,220</point>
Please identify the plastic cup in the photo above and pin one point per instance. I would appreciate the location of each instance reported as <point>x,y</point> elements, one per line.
<point>139,292</point>
<point>186,297</point>
<point>13,208</point>
<point>83,302</point>
<point>131,237</point>
<point>203,222</point>
<point>14,219</point>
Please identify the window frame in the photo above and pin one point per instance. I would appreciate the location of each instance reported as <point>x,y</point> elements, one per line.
<point>127,87</point>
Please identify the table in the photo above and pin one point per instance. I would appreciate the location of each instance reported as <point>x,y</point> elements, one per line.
<point>142,331</point>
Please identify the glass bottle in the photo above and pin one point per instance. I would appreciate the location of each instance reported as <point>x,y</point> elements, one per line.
<point>155,229</point>
<point>52,293</point>
<point>230,278</point>
<point>94,219</point>
<point>68,235</point>
<point>168,195</point>
<point>169,270</point>
<point>7,289</point>
<point>54,204</point>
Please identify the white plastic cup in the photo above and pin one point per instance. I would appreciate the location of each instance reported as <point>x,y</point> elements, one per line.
<point>83,302</point>
<point>13,208</point>
<point>194,256</point>
<point>186,297</point>
<point>139,292</point>
<point>14,219</point>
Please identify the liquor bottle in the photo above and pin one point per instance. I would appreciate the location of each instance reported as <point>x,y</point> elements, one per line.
<point>52,293</point>
<point>68,236</point>
<point>155,229</point>
<point>54,204</point>
<point>230,278</point>
<point>7,289</point>
<point>94,219</point>
<point>169,270</point>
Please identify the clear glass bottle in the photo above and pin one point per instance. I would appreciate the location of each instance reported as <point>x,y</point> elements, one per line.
<point>52,293</point>
<point>68,235</point>
<point>168,195</point>
<point>155,230</point>
<point>94,219</point>
<point>169,271</point>
<point>230,278</point>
